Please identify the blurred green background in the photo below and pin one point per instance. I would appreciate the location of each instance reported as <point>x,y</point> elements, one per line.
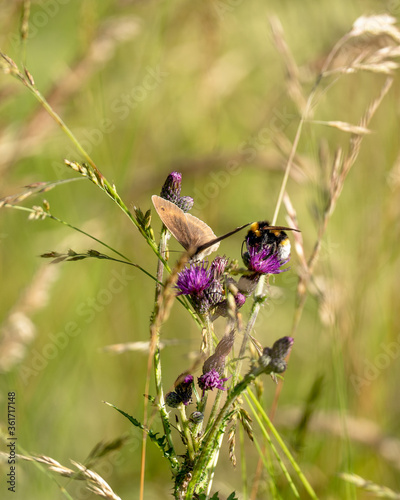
<point>151,87</point>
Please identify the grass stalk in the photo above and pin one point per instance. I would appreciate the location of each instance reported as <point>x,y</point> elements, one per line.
<point>282,445</point>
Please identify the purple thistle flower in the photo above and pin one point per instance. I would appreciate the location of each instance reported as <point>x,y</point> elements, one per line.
<point>203,285</point>
<point>211,380</point>
<point>171,191</point>
<point>214,366</point>
<point>262,261</point>
<point>240,299</point>
<point>218,266</point>
<point>193,280</point>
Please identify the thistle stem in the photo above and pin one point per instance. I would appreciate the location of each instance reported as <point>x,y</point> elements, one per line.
<point>186,431</point>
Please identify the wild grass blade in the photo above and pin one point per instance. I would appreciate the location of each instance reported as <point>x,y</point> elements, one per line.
<point>282,445</point>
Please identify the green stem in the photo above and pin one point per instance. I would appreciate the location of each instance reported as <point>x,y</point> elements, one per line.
<point>283,446</point>
<point>272,446</point>
<point>93,238</point>
<point>214,461</point>
<point>57,118</point>
<point>157,358</point>
<point>258,300</point>
<point>102,182</point>
<point>160,396</point>
<point>214,410</point>
<point>269,468</point>
<point>56,219</point>
<point>186,431</point>
<point>210,444</point>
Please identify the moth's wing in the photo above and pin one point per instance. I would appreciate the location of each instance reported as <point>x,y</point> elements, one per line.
<point>201,234</point>
<point>175,220</point>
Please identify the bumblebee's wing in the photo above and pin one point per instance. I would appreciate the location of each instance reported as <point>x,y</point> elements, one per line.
<point>175,220</point>
<point>281,228</point>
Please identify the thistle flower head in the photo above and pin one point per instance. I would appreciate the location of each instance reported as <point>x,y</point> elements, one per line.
<point>263,261</point>
<point>282,347</point>
<point>240,299</point>
<point>214,366</point>
<point>173,400</point>
<point>185,203</point>
<point>196,417</point>
<point>194,279</point>
<point>171,191</point>
<point>218,266</point>
<point>211,380</point>
<point>267,249</point>
<point>202,284</point>
<point>273,358</point>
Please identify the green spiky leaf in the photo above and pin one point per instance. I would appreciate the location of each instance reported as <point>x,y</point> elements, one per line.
<point>160,442</point>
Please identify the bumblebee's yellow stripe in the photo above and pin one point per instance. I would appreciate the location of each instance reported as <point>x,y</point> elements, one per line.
<point>255,229</point>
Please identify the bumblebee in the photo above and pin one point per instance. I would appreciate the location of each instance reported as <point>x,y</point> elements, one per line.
<point>263,236</point>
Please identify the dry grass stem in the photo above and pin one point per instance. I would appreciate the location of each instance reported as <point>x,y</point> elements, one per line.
<point>365,52</point>
<point>138,346</point>
<point>365,484</point>
<point>294,87</point>
<point>344,126</point>
<point>166,297</point>
<point>94,482</point>
<point>356,141</point>
<point>32,189</point>
<point>28,137</point>
<point>298,237</point>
